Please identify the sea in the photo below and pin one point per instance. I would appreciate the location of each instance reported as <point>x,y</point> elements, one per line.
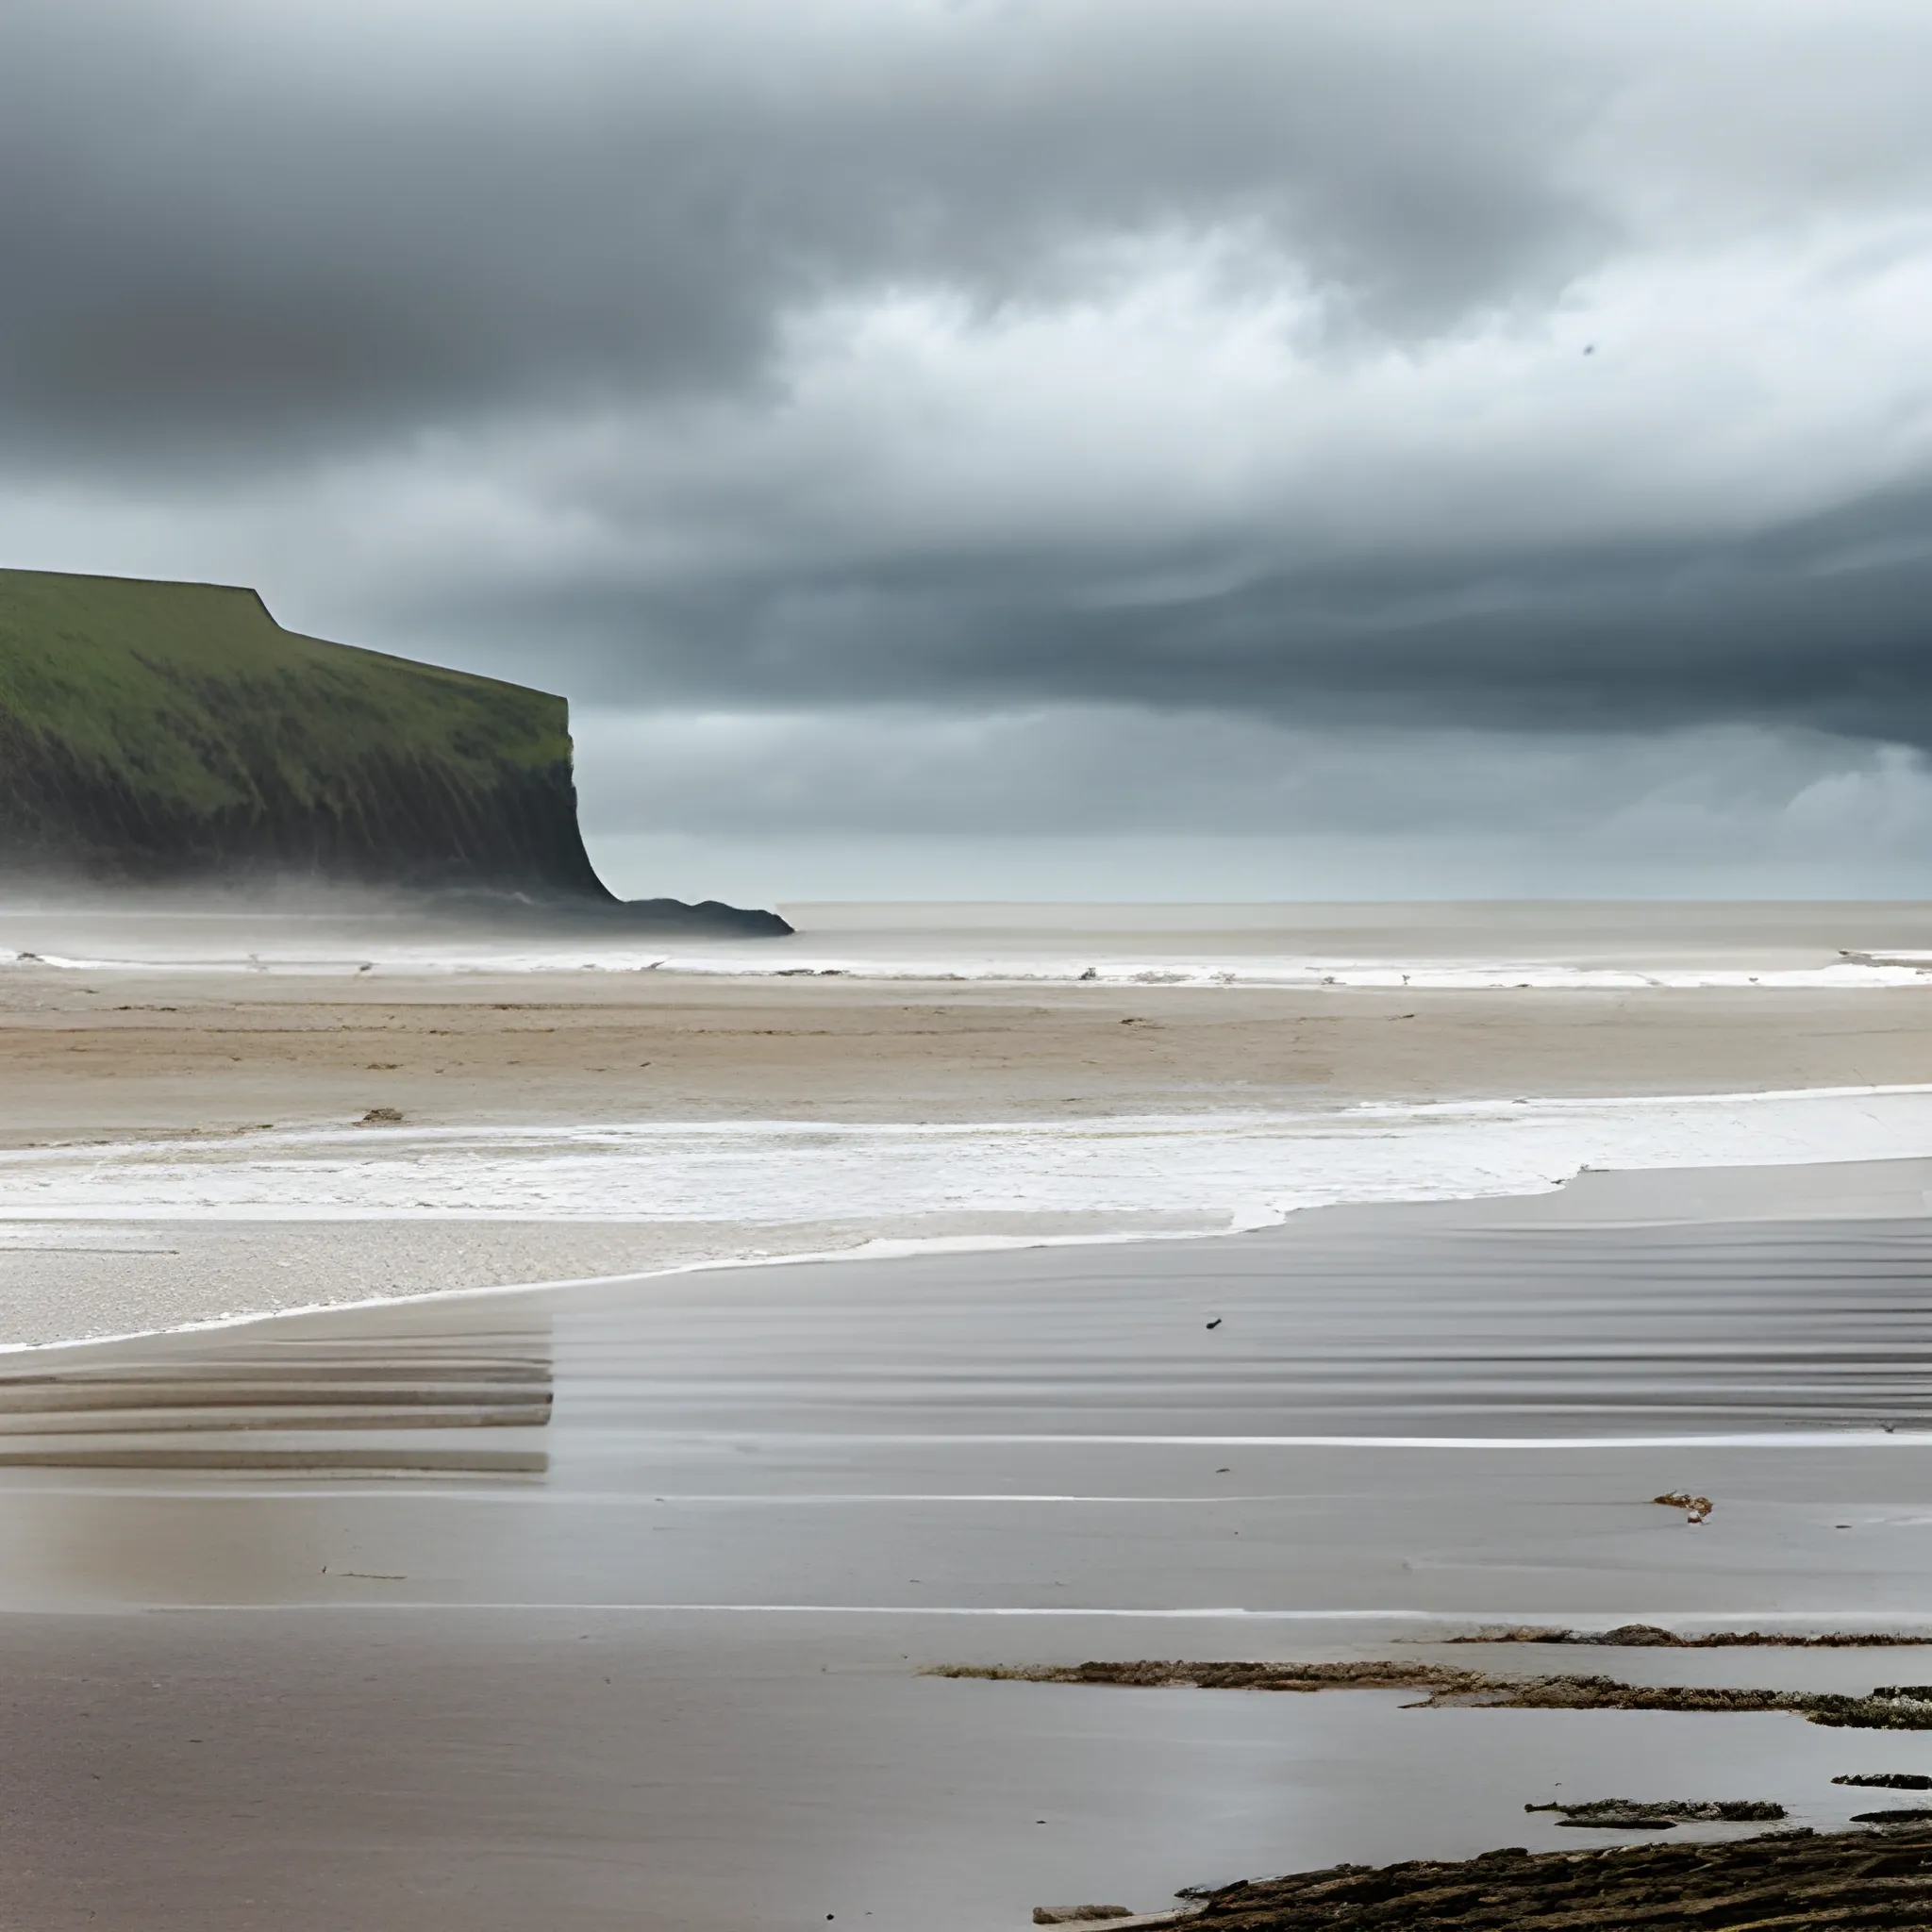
<point>1447,945</point>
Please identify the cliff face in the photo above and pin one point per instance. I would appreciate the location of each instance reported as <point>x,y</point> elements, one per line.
<point>158,732</point>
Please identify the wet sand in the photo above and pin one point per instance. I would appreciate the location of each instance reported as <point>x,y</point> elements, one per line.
<point>608,1607</point>
<point>68,1280</point>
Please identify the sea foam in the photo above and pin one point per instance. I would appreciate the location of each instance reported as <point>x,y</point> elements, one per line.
<point>765,961</point>
<point>1228,1171</point>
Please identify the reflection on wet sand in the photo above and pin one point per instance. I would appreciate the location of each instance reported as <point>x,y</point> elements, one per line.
<point>224,1466</point>
<point>607,1606</point>
<point>281,1397</point>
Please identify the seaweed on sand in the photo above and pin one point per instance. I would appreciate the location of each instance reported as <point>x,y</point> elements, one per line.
<point>1890,1708</point>
<point>1652,1636</point>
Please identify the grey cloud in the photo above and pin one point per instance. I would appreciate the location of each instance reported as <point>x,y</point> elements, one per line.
<point>1823,623</point>
<point>1129,805</point>
<point>226,240</point>
<point>1111,771</point>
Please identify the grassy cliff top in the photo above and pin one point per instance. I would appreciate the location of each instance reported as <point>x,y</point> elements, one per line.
<point>194,694</point>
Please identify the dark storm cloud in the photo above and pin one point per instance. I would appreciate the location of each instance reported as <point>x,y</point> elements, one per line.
<point>1485,364</point>
<point>224,232</point>
<point>1825,623</point>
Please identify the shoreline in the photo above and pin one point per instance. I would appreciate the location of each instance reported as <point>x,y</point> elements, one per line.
<point>1806,1191</point>
<point>258,1141</point>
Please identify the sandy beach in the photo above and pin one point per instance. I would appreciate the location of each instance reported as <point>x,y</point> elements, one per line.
<point>613,1603</point>
<point>174,1051</point>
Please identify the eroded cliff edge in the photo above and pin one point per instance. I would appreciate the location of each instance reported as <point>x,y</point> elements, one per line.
<point>174,733</point>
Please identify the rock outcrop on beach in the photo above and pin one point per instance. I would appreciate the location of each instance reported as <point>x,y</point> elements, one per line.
<point>171,734</point>
<point>1791,1880</point>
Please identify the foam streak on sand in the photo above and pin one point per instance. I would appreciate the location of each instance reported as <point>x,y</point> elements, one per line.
<point>1231,1170</point>
<point>762,961</point>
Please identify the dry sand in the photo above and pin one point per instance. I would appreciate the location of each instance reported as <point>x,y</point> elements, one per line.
<point>167,1054</point>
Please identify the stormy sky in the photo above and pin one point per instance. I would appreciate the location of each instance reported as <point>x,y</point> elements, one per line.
<point>1088,448</point>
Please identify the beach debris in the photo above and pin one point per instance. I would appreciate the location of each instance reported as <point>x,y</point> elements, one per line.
<point>1155,1673</point>
<point>1448,1686</point>
<point>1695,1508</point>
<point>1650,1635</point>
<point>1078,1915</point>
<point>1795,1880</point>
<point>382,1117</point>
<point>1632,1814</point>
<point>1891,1781</point>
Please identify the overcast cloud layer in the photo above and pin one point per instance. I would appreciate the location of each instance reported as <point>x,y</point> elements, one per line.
<point>1392,447</point>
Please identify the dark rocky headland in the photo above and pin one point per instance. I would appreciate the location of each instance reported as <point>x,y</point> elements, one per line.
<point>164,734</point>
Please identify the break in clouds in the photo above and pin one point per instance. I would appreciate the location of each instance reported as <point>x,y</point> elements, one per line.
<point>1408,447</point>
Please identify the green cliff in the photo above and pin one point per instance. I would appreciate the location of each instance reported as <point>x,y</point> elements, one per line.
<point>160,732</point>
